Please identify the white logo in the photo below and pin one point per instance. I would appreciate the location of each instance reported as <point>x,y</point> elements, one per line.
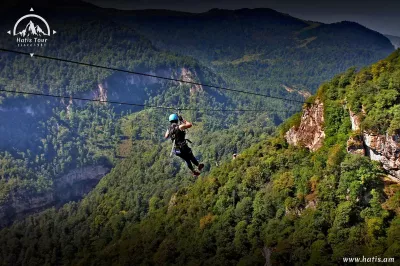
<point>31,30</point>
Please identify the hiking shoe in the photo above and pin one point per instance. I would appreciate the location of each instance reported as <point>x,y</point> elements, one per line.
<point>195,173</point>
<point>201,166</point>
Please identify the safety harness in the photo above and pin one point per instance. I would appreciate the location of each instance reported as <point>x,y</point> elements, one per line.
<point>177,136</point>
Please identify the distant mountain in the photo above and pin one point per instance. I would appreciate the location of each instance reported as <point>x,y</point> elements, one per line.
<point>395,40</point>
<point>31,29</point>
<point>261,49</point>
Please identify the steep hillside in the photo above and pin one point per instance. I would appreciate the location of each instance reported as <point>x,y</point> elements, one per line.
<point>372,99</point>
<point>43,140</point>
<point>276,204</point>
<point>262,49</point>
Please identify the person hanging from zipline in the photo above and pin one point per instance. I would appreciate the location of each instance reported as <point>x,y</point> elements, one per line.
<point>177,133</point>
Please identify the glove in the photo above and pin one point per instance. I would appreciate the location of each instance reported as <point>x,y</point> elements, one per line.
<point>180,118</point>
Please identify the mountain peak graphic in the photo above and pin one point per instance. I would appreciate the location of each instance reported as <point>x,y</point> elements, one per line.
<point>31,29</point>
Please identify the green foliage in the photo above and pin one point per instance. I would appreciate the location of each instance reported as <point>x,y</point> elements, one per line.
<point>293,121</point>
<point>303,208</point>
<point>374,95</point>
<point>135,215</point>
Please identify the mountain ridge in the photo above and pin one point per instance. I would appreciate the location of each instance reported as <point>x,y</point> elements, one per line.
<point>272,36</point>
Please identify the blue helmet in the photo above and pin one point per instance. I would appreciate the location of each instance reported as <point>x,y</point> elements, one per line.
<point>173,117</point>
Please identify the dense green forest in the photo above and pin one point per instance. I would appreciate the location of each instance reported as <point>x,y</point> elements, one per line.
<point>42,139</point>
<point>301,207</point>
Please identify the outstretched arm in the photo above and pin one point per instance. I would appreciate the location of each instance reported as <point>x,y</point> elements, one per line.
<point>166,134</point>
<point>185,124</point>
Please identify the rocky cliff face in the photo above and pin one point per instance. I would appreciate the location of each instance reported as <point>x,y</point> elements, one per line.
<point>71,186</point>
<point>381,148</point>
<point>310,132</point>
<point>187,75</point>
<point>355,145</point>
<point>101,94</point>
<point>78,182</point>
<point>303,93</point>
<point>130,87</point>
<point>22,202</point>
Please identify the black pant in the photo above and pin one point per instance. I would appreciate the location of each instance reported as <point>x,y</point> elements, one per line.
<point>186,154</point>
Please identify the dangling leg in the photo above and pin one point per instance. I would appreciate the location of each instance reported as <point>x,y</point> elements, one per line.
<point>187,159</point>
<point>194,160</point>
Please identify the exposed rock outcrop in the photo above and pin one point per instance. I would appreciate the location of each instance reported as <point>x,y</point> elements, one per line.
<point>148,80</point>
<point>21,203</point>
<point>78,182</point>
<point>187,75</point>
<point>69,106</point>
<point>82,174</point>
<point>310,132</point>
<point>131,87</point>
<point>382,148</point>
<point>355,121</point>
<point>71,186</point>
<point>385,149</point>
<point>101,94</point>
<point>303,93</point>
<point>355,145</point>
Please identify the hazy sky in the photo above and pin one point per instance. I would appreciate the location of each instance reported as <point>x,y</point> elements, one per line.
<point>380,15</point>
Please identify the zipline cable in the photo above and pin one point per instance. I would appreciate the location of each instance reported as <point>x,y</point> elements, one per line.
<point>150,75</point>
<point>142,105</point>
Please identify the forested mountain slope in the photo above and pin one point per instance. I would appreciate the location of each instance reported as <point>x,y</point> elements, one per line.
<point>44,141</point>
<point>262,49</point>
<point>276,203</point>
